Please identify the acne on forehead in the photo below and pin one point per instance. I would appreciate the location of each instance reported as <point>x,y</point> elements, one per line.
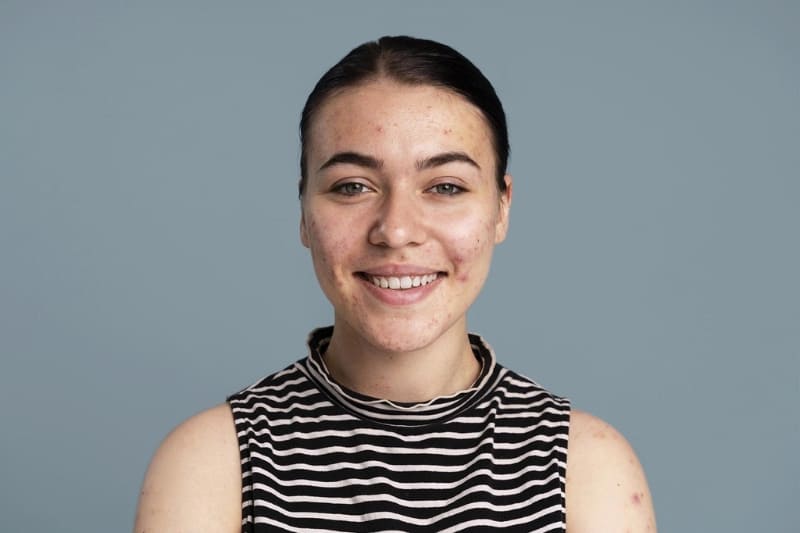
<point>365,113</point>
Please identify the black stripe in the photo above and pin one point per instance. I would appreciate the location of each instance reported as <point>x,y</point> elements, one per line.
<point>496,453</point>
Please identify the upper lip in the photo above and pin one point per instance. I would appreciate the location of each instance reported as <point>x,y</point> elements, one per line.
<point>399,270</point>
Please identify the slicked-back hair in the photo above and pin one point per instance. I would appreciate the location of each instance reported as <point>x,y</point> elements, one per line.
<point>411,61</point>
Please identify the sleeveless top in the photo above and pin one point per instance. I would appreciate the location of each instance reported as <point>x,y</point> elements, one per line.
<point>319,457</point>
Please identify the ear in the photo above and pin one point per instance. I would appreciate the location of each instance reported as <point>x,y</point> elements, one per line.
<point>303,229</point>
<point>501,226</point>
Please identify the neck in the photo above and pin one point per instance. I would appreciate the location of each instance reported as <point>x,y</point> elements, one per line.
<point>444,367</point>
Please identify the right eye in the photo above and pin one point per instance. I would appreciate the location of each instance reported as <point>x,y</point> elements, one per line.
<point>351,188</point>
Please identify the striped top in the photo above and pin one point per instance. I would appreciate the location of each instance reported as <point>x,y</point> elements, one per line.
<point>319,457</point>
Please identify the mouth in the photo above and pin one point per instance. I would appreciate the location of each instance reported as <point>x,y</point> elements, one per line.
<point>400,283</point>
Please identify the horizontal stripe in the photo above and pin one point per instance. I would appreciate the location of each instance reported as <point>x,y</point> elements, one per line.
<point>318,457</point>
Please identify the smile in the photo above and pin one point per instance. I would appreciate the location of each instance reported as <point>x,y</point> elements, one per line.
<point>402,282</point>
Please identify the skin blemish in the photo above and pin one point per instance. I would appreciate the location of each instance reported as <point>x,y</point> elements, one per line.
<point>636,498</point>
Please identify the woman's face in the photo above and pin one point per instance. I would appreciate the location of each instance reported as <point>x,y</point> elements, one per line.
<point>401,211</point>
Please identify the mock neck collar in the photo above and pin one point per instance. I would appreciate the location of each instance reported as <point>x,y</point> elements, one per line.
<point>385,412</point>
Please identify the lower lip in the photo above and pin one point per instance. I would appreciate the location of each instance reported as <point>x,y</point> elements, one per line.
<point>403,296</point>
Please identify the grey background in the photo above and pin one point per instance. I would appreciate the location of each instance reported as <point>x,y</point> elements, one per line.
<point>151,264</point>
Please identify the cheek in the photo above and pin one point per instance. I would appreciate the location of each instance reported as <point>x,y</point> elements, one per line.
<point>332,248</point>
<point>324,243</point>
<point>471,251</point>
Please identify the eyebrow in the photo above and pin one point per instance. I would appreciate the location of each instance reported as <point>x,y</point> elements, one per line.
<point>445,158</point>
<point>366,161</point>
<point>352,158</point>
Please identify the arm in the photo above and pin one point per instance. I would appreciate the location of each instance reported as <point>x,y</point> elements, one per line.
<point>606,488</point>
<point>194,480</point>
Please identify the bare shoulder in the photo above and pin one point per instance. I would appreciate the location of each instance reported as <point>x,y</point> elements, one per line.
<point>194,480</point>
<point>606,486</point>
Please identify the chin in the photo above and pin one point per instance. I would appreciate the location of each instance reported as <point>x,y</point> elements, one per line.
<point>402,335</point>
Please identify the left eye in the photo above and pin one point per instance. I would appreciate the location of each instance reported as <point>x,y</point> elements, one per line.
<point>447,189</point>
<point>351,188</point>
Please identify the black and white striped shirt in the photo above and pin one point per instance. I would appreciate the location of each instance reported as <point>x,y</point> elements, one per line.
<point>318,457</point>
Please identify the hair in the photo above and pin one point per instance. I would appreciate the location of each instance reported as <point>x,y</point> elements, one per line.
<point>411,61</point>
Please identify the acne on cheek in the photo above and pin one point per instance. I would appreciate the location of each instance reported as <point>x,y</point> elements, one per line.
<point>316,237</point>
<point>636,498</point>
<point>462,276</point>
<point>469,251</point>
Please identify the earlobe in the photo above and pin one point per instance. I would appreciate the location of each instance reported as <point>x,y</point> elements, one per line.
<point>501,229</point>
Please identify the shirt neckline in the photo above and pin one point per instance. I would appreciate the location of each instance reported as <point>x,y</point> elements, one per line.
<point>436,410</point>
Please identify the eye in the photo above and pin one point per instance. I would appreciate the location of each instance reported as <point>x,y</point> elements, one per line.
<point>351,188</point>
<point>447,189</point>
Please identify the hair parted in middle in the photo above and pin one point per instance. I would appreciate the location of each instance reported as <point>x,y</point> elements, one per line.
<point>411,61</point>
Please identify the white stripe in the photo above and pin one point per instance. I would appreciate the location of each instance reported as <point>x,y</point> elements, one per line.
<point>276,376</point>
<point>311,420</point>
<point>388,515</point>
<point>400,468</point>
<point>424,504</point>
<point>390,450</point>
<point>508,523</point>
<point>413,485</point>
<point>282,411</point>
<point>302,393</point>
<point>303,437</point>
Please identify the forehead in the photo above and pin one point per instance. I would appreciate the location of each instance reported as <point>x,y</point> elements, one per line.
<point>387,118</point>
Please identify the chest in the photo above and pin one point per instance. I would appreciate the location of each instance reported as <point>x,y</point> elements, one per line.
<point>487,468</point>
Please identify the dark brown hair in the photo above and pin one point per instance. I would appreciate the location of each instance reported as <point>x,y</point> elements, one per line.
<point>415,62</point>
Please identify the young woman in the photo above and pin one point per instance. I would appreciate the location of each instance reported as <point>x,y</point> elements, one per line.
<point>398,419</point>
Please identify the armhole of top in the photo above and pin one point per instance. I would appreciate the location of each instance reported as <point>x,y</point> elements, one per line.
<point>241,427</point>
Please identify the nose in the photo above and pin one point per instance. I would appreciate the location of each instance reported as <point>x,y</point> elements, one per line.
<point>399,221</point>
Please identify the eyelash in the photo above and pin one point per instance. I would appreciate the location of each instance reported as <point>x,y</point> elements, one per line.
<point>443,189</point>
<point>454,189</point>
<point>345,188</point>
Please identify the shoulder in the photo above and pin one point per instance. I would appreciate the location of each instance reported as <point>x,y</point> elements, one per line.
<point>194,479</point>
<point>606,489</point>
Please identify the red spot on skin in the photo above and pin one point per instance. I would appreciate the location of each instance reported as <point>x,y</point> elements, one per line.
<point>636,498</point>
<point>379,129</point>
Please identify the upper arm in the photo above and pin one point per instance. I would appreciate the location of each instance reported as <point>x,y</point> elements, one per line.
<point>194,480</point>
<point>606,488</point>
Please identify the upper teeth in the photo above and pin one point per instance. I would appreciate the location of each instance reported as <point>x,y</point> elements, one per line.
<point>402,282</point>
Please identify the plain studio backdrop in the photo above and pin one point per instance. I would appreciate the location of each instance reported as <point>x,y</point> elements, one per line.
<point>150,262</point>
